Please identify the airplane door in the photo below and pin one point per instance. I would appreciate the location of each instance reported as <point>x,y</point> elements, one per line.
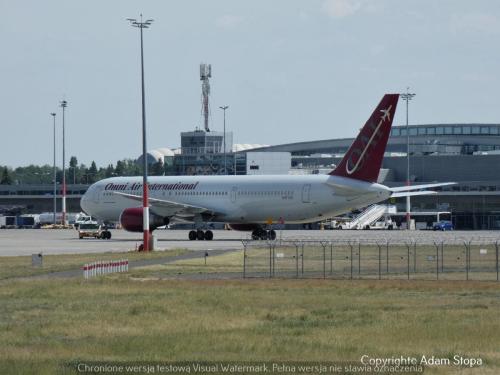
<point>234,192</point>
<point>96,194</point>
<point>306,193</point>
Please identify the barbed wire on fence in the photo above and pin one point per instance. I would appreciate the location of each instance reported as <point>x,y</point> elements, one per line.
<point>444,258</point>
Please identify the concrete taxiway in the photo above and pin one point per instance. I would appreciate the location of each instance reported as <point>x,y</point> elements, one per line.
<point>47,241</point>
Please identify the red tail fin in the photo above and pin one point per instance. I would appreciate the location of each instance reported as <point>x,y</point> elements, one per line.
<point>364,158</point>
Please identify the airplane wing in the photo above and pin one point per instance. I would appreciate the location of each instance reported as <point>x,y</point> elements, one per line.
<point>418,187</point>
<point>168,208</point>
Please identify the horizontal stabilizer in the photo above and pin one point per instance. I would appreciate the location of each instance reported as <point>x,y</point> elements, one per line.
<point>412,193</point>
<point>418,187</point>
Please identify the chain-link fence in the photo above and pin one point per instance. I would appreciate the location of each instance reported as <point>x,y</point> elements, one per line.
<point>365,259</point>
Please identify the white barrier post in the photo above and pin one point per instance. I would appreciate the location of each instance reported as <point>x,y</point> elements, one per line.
<point>101,267</point>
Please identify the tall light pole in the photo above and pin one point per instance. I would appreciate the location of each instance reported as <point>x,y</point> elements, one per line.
<point>407,97</point>
<point>224,109</point>
<point>54,168</point>
<point>145,201</point>
<point>63,105</point>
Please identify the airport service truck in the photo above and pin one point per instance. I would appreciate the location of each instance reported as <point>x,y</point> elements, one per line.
<point>93,230</point>
<point>8,222</point>
<point>28,221</point>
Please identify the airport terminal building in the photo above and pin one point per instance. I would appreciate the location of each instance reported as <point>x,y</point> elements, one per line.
<point>468,154</point>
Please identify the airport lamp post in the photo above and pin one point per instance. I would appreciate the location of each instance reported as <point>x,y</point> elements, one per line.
<point>54,168</point>
<point>63,105</point>
<point>407,97</point>
<point>224,109</point>
<point>145,201</point>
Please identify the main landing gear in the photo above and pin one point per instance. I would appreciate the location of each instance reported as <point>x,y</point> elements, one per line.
<point>262,234</point>
<point>201,235</point>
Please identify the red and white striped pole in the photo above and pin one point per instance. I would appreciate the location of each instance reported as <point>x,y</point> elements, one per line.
<point>145,204</point>
<point>145,211</point>
<point>64,104</point>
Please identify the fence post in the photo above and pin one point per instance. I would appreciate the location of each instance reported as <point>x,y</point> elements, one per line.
<point>466,260</point>
<point>244,258</point>
<point>331,258</point>
<point>302,260</point>
<point>324,244</point>
<point>415,257</point>
<point>359,260</point>
<point>437,259</point>
<point>408,260</point>
<point>496,256</point>
<point>437,262</point>
<point>387,256</point>
<point>270,262</point>
<point>442,256</point>
<point>296,260</point>
<point>273,245</point>
<point>351,246</point>
<point>379,261</point>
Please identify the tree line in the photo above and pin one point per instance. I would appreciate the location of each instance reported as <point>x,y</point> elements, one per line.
<point>75,173</point>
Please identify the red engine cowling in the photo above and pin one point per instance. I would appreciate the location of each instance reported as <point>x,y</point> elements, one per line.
<point>245,227</point>
<point>131,220</point>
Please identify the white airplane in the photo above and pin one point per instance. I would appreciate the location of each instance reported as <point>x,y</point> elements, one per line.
<point>253,202</point>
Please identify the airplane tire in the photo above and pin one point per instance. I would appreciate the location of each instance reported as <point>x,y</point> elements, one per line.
<point>256,234</point>
<point>192,235</point>
<point>108,235</point>
<point>209,235</point>
<point>200,235</point>
<point>272,235</point>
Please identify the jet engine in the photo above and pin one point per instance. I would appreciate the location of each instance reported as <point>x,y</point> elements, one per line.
<point>131,220</point>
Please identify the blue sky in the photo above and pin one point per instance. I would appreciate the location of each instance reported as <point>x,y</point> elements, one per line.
<point>289,70</point>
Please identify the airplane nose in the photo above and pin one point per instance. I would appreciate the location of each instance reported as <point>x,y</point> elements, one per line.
<point>84,202</point>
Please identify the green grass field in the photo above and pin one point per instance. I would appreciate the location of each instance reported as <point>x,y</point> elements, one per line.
<point>45,323</point>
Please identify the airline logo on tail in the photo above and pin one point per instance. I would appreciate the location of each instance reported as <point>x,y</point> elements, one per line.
<point>364,158</point>
<point>361,156</point>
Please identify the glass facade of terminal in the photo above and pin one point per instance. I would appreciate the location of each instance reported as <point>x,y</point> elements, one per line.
<point>448,129</point>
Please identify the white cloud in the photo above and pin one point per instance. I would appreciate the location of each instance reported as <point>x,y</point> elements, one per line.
<point>228,21</point>
<point>341,8</point>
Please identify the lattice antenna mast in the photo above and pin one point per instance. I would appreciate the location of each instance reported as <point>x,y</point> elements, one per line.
<point>205,74</point>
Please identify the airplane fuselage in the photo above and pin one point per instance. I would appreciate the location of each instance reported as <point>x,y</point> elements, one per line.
<point>239,199</point>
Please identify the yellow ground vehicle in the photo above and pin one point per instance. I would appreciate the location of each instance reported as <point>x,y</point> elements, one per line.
<point>93,230</point>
